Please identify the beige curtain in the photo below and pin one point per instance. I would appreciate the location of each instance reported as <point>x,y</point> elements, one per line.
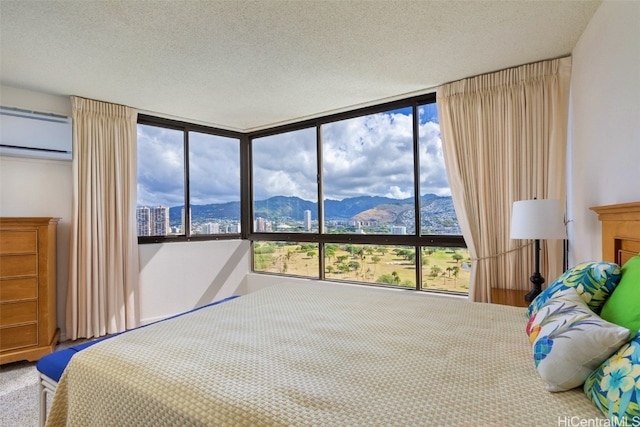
<point>504,138</point>
<point>103,273</point>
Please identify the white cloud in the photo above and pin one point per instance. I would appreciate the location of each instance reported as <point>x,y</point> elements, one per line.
<point>371,155</point>
<point>214,169</point>
<point>285,165</point>
<point>160,167</point>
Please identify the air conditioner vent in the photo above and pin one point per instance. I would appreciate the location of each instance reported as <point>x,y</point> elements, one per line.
<point>34,134</point>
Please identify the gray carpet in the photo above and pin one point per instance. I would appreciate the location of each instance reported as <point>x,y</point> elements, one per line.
<point>19,394</point>
<point>19,398</point>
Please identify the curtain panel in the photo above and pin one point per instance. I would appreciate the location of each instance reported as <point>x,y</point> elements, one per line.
<point>103,273</point>
<point>504,138</point>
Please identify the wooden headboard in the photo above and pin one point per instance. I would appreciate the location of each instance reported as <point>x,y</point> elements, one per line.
<point>620,231</point>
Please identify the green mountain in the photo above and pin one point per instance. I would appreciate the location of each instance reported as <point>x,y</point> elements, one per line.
<point>437,212</point>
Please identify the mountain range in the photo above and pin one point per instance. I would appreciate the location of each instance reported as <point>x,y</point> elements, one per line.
<point>436,209</point>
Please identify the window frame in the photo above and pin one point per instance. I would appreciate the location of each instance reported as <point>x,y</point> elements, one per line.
<point>185,128</point>
<point>415,240</point>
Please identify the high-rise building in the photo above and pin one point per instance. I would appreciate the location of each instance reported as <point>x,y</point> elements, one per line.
<point>307,220</point>
<point>143,221</point>
<point>211,228</point>
<point>398,229</point>
<point>260,225</point>
<point>160,221</point>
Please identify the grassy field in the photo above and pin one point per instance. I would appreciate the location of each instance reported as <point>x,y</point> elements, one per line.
<point>442,268</point>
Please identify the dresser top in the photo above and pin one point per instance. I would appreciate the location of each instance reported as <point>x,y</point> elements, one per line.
<point>24,220</point>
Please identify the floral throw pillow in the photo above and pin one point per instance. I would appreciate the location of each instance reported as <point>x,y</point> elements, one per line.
<point>594,282</point>
<point>570,341</point>
<point>615,386</point>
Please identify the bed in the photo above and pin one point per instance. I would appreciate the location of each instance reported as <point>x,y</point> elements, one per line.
<point>325,354</point>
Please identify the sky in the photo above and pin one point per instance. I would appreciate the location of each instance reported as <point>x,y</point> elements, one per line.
<point>370,155</point>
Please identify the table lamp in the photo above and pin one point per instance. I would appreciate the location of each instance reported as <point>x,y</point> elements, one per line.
<point>537,219</point>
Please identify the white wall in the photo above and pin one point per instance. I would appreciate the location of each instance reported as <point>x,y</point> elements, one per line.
<point>176,277</point>
<point>605,122</point>
<point>33,187</point>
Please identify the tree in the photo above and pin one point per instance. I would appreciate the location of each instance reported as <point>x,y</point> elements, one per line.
<point>411,257</point>
<point>386,278</point>
<point>354,265</point>
<point>330,250</point>
<point>435,270</point>
<point>457,257</point>
<point>456,271</point>
<point>396,278</point>
<point>425,261</point>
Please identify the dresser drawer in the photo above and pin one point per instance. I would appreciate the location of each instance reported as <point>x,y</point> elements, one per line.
<point>18,241</point>
<point>18,289</point>
<point>13,313</point>
<point>18,337</point>
<point>18,265</point>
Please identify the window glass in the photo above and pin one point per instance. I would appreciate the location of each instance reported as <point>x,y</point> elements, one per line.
<point>297,259</point>
<point>446,269</point>
<point>160,181</point>
<point>285,189</point>
<point>368,174</point>
<point>214,184</point>
<point>437,215</point>
<point>381,264</point>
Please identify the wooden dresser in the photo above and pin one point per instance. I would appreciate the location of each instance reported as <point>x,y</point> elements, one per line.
<point>28,328</point>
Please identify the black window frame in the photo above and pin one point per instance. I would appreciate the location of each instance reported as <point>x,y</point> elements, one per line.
<point>185,127</point>
<point>415,240</point>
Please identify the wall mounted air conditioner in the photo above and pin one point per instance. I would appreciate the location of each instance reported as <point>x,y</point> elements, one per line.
<point>26,133</point>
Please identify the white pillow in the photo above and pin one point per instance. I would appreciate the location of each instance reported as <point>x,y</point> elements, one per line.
<point>570,341</point>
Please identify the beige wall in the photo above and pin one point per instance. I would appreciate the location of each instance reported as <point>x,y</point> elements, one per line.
<point>605,122</point>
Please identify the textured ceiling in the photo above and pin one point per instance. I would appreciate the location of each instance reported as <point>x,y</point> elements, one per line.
<point>246,65</point>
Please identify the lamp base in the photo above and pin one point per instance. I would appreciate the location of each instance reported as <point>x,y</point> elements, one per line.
<point>537,281</point>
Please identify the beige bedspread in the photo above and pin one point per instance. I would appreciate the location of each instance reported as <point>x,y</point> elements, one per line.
<point>324,355</point>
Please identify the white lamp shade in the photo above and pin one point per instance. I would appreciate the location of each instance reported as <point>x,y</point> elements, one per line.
<point>537,219</point>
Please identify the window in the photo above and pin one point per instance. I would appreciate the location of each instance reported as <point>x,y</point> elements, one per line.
<point>285,189</point>
<point>360,196</point>
<point>437,215</point>
<point>291,258</point>
<point>373,163</point>
<point>214,190</point>
<point>380,264</point>
<point>168,152</point>
<point>160,180</point>
<point>368,174</point>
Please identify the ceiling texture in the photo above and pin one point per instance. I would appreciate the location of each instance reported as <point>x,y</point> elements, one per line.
<point>249,65</point>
